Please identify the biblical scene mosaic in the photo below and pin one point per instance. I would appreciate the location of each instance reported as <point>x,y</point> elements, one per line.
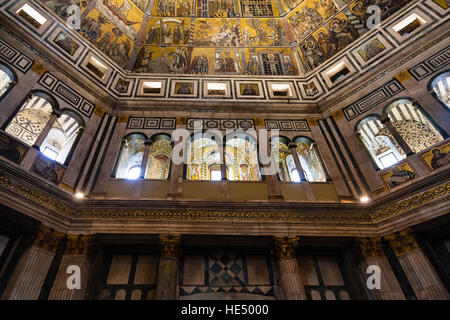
<point>249,37</point>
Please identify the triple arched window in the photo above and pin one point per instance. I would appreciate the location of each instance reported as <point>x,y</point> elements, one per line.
<point>140,157</point>
<point>403,127</point>
<point>309,162</point>
<point>204,156</point>
<point>39,122</point>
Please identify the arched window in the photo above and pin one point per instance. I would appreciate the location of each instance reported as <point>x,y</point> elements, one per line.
<point>441,85</point>
<point>241,158</point>
<point>203,159</point>
<point>287,171</point>
<point>32,117</point>
<point>310,160</point>
<point>62,136</point>
<point>158,164</point>
<point>382,147</point>
<point>130,157</point>
<point>412,124</point>
<point>6,79</point>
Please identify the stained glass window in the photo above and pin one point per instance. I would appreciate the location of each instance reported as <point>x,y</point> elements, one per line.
<point>441,85</point>
<point>241,159</point>
<point>158,165</point>
<point>31,119</point>
<point>130,157</point>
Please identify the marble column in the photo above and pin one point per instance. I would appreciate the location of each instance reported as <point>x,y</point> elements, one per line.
<point>148,144</point>
<point>373,254</point>
<point>29,275</point>
<point>272,179</point>
<point>80,251</point>
<point>176,170</point>
<point>166,284</point>
<point>418,269</point>
<point>290,280</point>
<point>305,183</point>
<point>402,143</point>
<point>11,102</point>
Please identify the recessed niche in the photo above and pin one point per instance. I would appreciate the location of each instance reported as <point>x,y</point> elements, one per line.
<point>408,25</point>
<point>281,89</point>
<point>31,16</point>
<point>153,87</point>
<point>338,72</point>
<point>96,67</point>
<point>216,89</point>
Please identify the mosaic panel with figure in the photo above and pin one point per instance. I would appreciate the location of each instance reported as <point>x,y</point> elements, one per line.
<point>216,33</point>
<point>437,157</point>
<point>173,8</point>
<point>263,32</point>
<point>168,31</point>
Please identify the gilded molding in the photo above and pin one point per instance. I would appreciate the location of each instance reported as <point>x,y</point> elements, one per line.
<point>46,238</point>
<point>403,242</point>
<point>285,247</point>
<point>73,211</point>
<point>38,68</point>
<point>169,245</point>
<point>371,247</point>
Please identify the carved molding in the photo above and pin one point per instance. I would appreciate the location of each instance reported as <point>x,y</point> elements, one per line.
<point>403,242</point>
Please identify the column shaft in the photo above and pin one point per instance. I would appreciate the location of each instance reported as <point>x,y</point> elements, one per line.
<point>166,284</point>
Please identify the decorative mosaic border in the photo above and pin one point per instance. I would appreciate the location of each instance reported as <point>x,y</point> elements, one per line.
<point>430,65</point>
<point>151,123</point>
<point>219,124</point>
<point>287,125</point>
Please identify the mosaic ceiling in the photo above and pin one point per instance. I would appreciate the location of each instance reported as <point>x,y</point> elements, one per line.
<point>235,37</point>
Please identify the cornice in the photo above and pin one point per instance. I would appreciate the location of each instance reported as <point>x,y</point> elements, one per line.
<point>61,204</point>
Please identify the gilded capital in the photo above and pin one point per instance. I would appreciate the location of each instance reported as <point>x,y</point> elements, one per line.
<point>46,238</point>
<point>371,247</point>
<point>38,68</point>
<point>403,75</point>
<point>285,247</point>
<point>403,242</point>
<point>259,121</point>
<point>170,246</point>
<point>338,114</point>
<point>181,120</point>
<point>81,245</point>
<point>123,118</point>
<point>312,122</point>
<point>99,111</point>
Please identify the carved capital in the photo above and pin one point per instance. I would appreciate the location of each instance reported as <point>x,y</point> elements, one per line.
<point>181,120</point>
<point>99,111</point>
<point>259,121</point>
<point>81,245</point>
<point>123,118</point>
<point>46,238</point>
<point>338,114</point>
<point>170,246</point>
<point>285,247</point>
<point>313,122</point>
<point>38,68</point>
<point>403,75</point>
<point>371,247</point>
<point>403,242</point>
